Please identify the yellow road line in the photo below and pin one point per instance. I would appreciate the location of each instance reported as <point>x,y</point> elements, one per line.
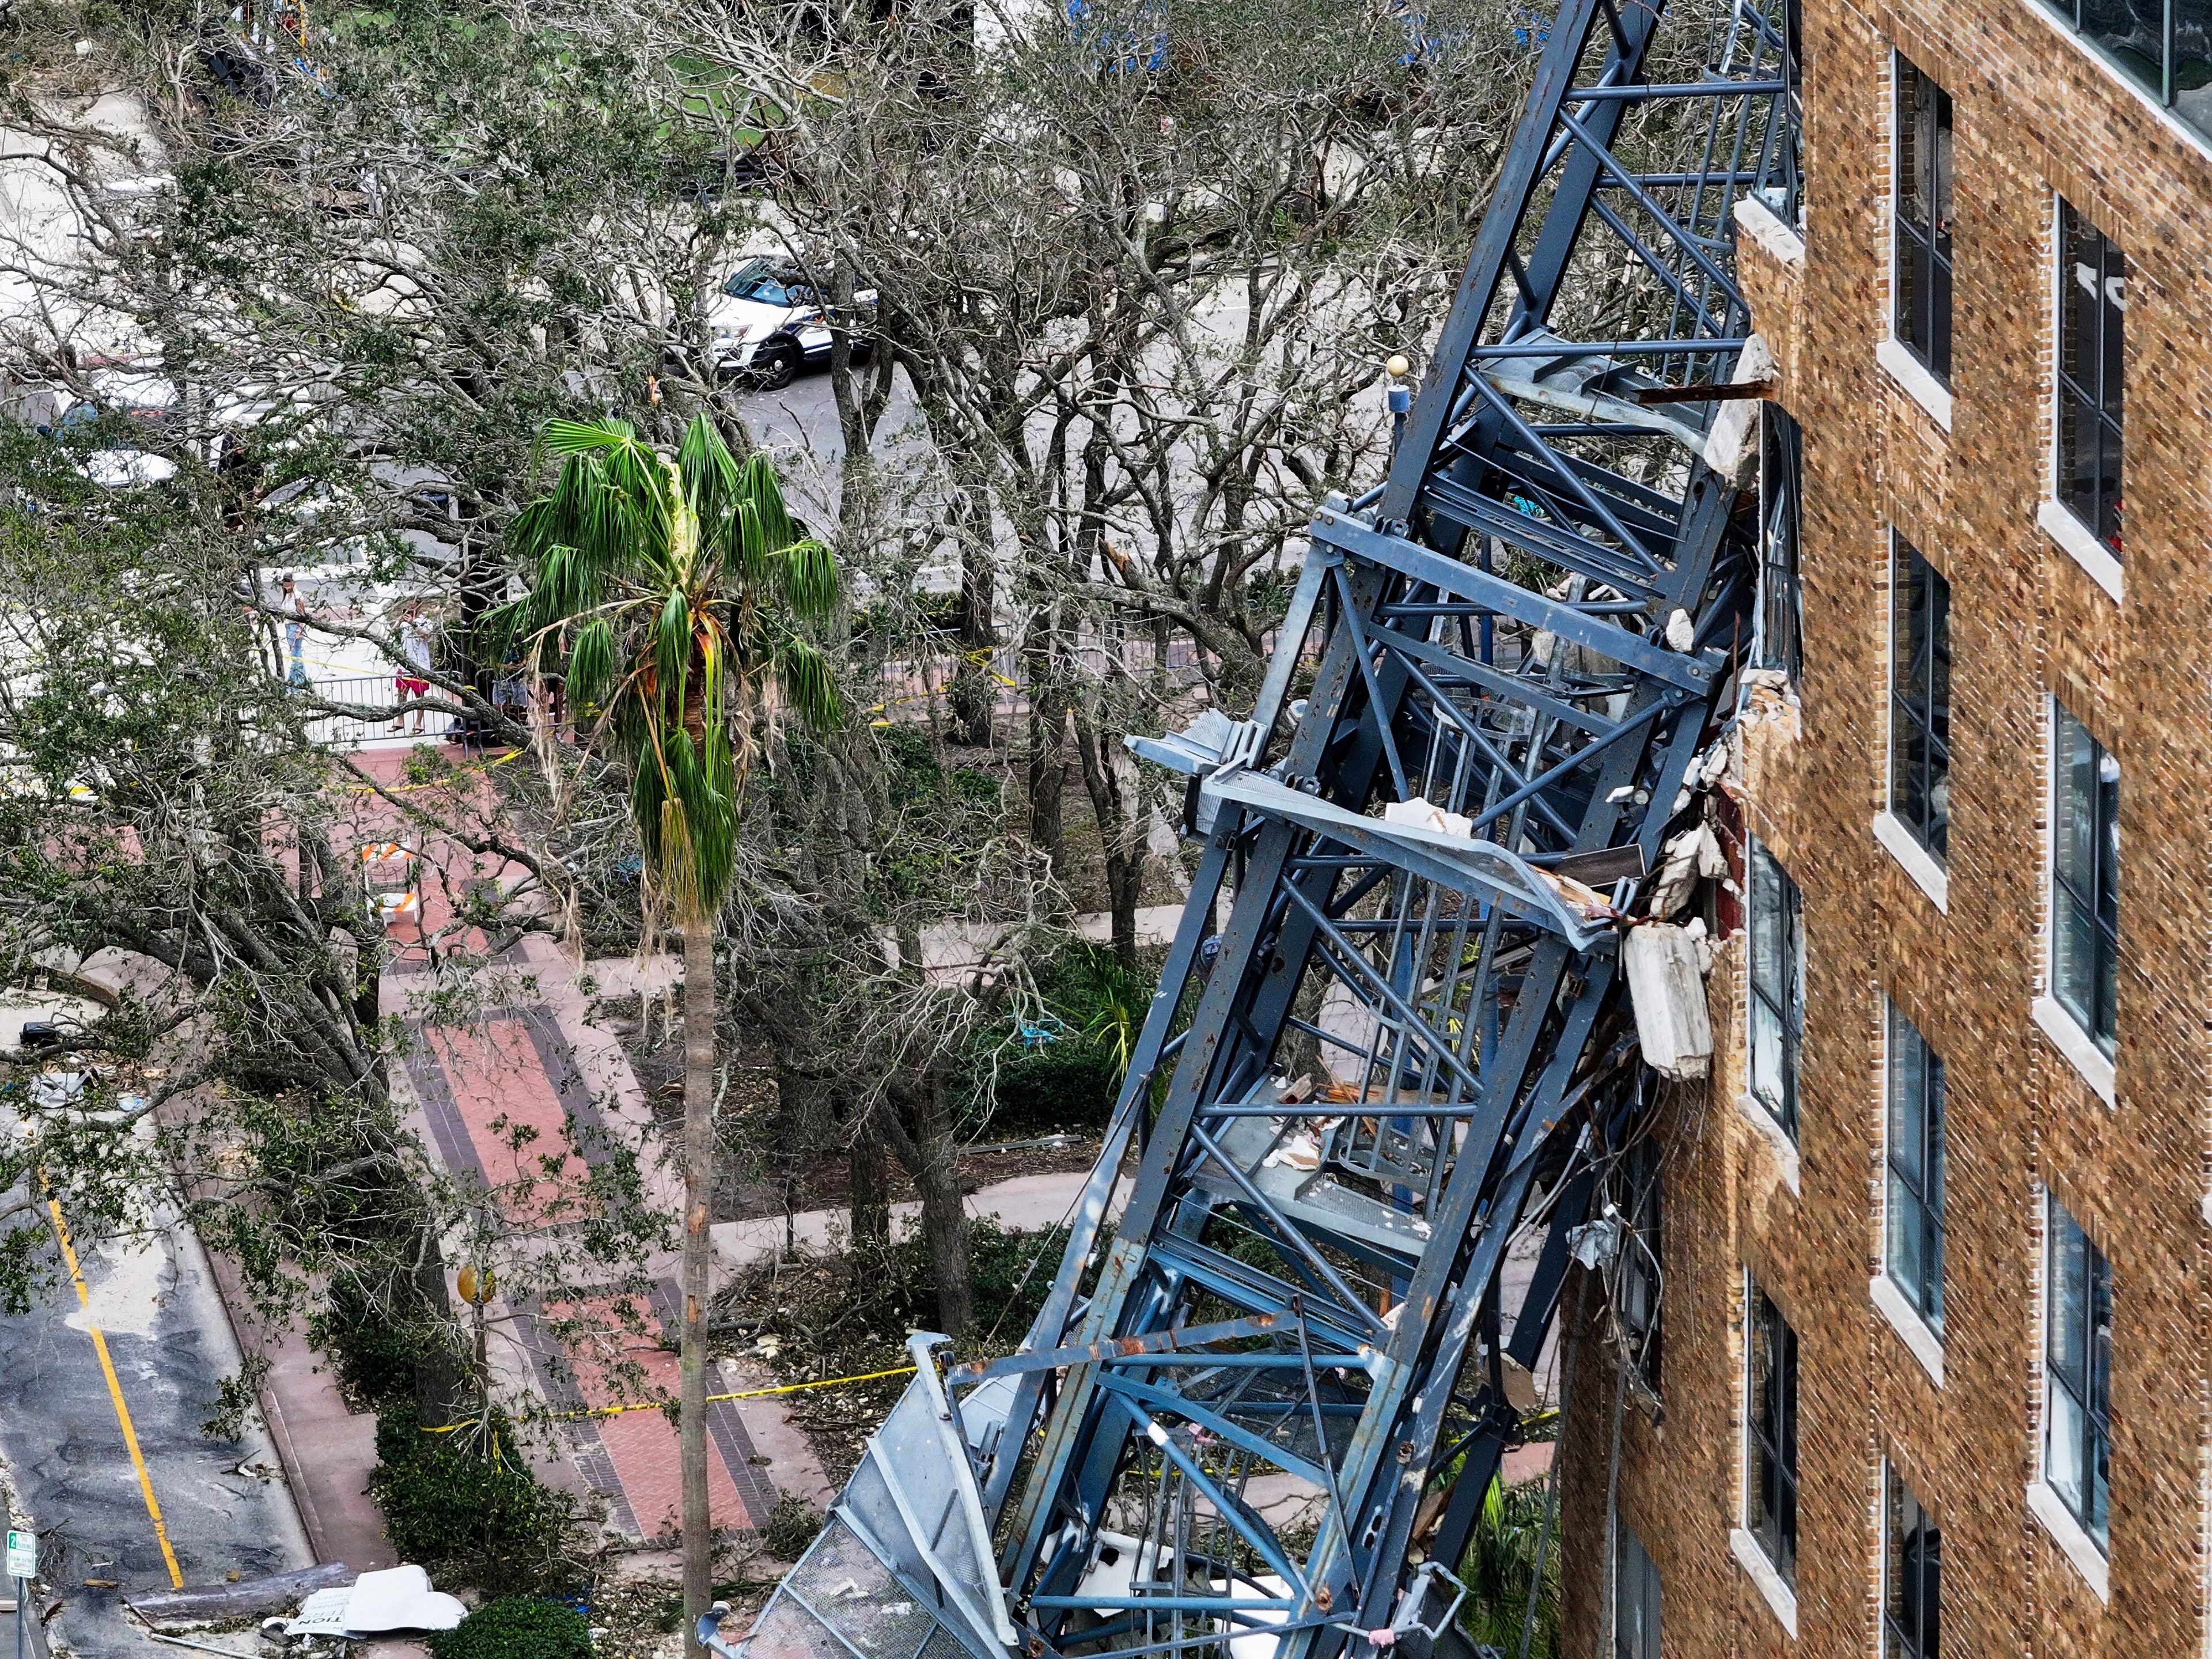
<point>115,1393</point>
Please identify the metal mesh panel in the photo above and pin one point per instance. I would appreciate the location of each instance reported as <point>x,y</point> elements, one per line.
<point>787,1631</point>
<point>945,1645</point>
<point>840,1577</point>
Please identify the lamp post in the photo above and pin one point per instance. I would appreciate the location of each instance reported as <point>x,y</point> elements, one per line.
<point>1401,397</point>
<point>476,1286</point>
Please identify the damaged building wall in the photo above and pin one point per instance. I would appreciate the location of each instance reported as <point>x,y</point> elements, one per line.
<point>2035,116</point>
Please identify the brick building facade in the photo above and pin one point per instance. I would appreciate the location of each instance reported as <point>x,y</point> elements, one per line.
<point>2079,615</point>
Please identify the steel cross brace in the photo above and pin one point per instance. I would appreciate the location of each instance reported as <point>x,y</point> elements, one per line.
<point>1407,1034</point>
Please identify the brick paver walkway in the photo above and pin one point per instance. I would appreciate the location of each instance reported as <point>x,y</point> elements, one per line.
<point>505,1093</point>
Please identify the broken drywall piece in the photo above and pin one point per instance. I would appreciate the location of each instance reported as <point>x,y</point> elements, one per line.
<point>1419,814</point>
<point>377,1604</point>
<point>1669,992</point>
<point>400,1598</point>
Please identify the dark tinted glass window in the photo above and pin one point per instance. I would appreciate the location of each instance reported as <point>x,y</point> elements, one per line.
<point>1912,1574</point>
<point>1924,219</point>
<point>2092,304</point>
<point>1771,1505</point>
<point>2085,868</point>
<point>1916,1170</point>
<point>1635,1599</point>
<point>2078,1356</point>
<point>1777,986</point>
<point>1920,699</point>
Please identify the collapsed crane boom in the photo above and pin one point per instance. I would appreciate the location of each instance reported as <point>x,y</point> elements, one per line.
<point>1259,1422</point>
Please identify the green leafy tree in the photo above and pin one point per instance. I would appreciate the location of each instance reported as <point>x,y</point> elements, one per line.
<point>673,592</point>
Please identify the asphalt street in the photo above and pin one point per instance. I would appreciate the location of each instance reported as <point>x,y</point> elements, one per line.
<point>799,426</point>
<point>223,1504</point>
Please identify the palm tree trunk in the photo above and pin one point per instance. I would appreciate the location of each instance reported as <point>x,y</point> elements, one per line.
<point>698,1185</point>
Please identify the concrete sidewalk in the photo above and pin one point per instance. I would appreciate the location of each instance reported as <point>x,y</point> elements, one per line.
<point>1026,1203</point>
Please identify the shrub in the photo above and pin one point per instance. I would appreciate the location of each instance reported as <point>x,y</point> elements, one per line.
<point>1500,1571</point>
<point>376,1355</point>
<point>468,1507</point>
<point>517,1627</point>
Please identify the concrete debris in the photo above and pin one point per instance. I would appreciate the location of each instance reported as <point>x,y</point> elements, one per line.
<point>1667,988</point>
<point>1681,632</point>
<point>1693,856</point>
<point>1732,443</point>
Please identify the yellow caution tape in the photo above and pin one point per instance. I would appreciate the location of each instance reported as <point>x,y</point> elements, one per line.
<point>712,1399</point>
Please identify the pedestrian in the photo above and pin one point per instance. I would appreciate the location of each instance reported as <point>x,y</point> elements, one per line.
<point>294,604</point>
<point>415,648</point>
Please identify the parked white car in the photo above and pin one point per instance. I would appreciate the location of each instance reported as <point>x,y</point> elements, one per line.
<point>767,322</point>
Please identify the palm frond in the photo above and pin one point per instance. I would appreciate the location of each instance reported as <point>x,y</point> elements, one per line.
<point>810,582</point>
<point>585,437</point>
<point>808,688</point>
<point>592,670</point>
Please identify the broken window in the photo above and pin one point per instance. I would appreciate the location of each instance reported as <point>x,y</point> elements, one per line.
<point>1915,1158</point>
<point>1922,320</point>
<point>1912,1574</point>
<point>2163,46</point>
<point>1777,643</point>
<point>1777,986</point>
<point>1770,1504</point>
<point>1635,1598</point>
<point>1920,698</point>
<point>1640,1260</point>
<point>2092,304</point>
<point>2085,869</point>
<point>2078,1356</point>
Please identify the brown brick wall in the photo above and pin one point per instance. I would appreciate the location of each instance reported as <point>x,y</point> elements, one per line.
<point>2033,112</point>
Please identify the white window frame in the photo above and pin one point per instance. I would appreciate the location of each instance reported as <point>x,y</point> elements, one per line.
<point>1888,1467</point>
<point>2090,1063</point>
<point>1918,1336</point>
<point>2044,1502</point>
<point>1891,354</point>
<point>2073,537</point>
<point>1750,1555</point>
<point>1890,832</point>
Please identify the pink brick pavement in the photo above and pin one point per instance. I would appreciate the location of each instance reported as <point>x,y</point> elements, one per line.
<point>498,1091</point>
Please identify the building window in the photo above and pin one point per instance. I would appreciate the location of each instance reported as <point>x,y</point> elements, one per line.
<point>1915,1218</point>
<point>1777,986</point>
<point>1912,1574</point>
<point>1779,628</point>
<point>1635,1598</point>
<point>2085,869</point>
<point>1640,1270</point>
<point>2164,46</point>
<point>1770,1503</point>
<point>1920,698</point>
<point>2078,1356</point>
<point>1922,321</point>
<point>2092,304</point>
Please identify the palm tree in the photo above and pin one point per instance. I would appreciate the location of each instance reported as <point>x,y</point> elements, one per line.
<point>672,591</point>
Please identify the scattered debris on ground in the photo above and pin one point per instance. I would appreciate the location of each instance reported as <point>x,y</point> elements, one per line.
<point>813,1318</point>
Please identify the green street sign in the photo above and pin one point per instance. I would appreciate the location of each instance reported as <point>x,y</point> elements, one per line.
<point>22,1554</point>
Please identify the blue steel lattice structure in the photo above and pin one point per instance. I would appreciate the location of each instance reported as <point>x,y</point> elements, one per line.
<point>1259,1421</point>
